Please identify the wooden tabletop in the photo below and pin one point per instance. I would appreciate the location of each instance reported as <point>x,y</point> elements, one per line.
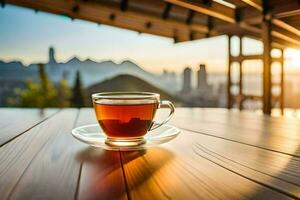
<point>219,154</point>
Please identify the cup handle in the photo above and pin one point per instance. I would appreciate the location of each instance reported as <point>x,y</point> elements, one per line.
<point>164,104</point>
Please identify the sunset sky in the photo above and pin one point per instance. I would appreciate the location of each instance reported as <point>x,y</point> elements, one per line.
<point>26,36</point>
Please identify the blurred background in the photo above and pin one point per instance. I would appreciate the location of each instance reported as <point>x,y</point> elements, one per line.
<point>49,60</point>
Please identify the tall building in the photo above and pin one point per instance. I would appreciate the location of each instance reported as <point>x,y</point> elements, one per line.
<point>187,80</point>
<point>51,56</point>
<point>202,77</point>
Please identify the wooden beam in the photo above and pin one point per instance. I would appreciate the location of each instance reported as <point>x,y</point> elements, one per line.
<point>190,17</point>
<point>275,12</point>
<point>229,98</point>
<point>266,37</point>
<point>285,8</point>
<point>124,5</point>
<point>286,38</point>
<point>101,13</point>
<point>288,13</point>
<point>241,74</point>
<point>287,27</point>
<point>215,9</point>
<point>252,97</point>
<point>254,3</point>
<point>137,20</point>
<point>167,10</point>
<point>241,58</point>
<point>282,82</point>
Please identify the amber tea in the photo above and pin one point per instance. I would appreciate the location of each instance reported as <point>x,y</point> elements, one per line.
<point>125,117</point>
<point>125,120</point>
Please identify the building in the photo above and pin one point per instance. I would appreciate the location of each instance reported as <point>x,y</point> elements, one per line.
<point>187,80</point>
<point>202,95</point>
<point>52,59</point>
<point>202,77</point>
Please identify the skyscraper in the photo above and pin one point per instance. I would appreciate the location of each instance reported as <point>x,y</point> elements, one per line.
<point>51,56</point>
<point>187,75</point>
<point>202,77</point>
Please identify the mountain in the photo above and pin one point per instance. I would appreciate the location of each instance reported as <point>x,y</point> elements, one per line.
<point>16,71</point>
<point>92,72</point>
<point>126,83</point>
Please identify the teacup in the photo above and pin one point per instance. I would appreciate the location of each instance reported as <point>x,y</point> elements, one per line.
<point>126,117</point>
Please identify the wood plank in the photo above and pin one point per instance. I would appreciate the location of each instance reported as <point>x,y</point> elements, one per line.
<point>15,121</point>
<point>289,29</point>
<point>110,15</point>
<point>54,171</point>
<point>17,157</point>
<point>214,10</point>
<point>254,3</point>
<point>286,8</point>
<point>246,57</point>
<point>101,171</point>
<point>277,171</point>
<point>267,40</point>
<point>284,30</point>
<point>221,12</point>
<point>275,134</point>
<point>176,171</point>
<point>229,82</point>
<point>241,73</point>
<point>282,81</point>
<point>48,163</point>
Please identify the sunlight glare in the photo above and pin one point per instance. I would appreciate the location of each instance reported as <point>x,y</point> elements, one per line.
<point>293,57</point>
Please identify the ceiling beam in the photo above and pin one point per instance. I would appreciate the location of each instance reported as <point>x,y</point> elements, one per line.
<point>286,8</point>
<point>190,17</point>
<point>281,30</point>
<point>214,9</point>
<point>286,27</point>
<point>167,10</point>
<point>254,3</point>
<point>124,5</point>
<point>286,36</point>
<point>129,19</point>
<point>287,13</point>
<point>142,22</point>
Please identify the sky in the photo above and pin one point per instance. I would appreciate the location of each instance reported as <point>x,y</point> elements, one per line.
<point>26,36</point>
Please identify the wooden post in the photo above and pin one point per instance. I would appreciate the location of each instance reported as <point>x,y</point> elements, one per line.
<point>282,82</point>
<point>241,75</point>
<point>266,38</point>
<point>229,98</point>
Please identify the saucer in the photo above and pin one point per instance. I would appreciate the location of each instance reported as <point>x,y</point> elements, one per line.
<point>93,135</point>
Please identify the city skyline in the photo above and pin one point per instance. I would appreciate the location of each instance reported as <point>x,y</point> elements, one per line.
<point>88,40</point>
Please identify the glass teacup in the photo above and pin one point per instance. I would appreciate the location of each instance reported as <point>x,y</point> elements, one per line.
<point>126,117</point>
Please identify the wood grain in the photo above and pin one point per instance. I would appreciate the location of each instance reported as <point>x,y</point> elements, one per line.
<point>175,171</point>
<point>271,169</point>
<point>275,134</point>
<point>226,155</point>
<point>26,169</point>
<point>15,121</point>
<point>101,173</point>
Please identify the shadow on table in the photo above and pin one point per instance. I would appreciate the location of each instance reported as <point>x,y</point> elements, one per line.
<point>102,174</point>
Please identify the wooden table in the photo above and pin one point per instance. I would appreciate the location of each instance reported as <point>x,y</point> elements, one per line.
<point>220,154</point>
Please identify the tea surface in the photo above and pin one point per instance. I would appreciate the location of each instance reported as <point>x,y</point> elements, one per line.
<point>125,120</point>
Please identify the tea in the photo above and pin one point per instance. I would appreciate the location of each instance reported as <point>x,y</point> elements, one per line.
<point>125,120</point>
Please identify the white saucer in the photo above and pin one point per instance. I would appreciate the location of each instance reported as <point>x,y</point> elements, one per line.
<point>93,135</point>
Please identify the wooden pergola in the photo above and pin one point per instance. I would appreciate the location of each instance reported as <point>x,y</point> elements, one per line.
<point>275,22</point>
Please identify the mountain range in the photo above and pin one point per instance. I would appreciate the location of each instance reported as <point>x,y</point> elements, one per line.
<point>92,72</point>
